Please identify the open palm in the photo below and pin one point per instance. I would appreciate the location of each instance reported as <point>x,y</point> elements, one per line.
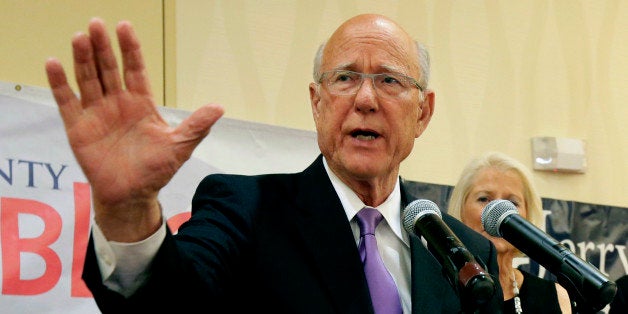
<point>125,148</point>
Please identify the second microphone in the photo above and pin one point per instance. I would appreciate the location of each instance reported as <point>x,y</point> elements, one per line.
<point>423,218</point>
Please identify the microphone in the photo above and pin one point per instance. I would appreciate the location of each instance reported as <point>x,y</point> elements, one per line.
<point>586,285</point>
<point>423,218</point>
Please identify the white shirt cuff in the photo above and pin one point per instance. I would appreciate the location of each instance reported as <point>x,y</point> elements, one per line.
<point>124,266</point>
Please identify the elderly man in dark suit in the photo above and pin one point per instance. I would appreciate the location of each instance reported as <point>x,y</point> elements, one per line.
<point>275,243</point>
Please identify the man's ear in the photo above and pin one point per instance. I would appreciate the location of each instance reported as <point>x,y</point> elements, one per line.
<point>315,98</point>
<point>426,111</point>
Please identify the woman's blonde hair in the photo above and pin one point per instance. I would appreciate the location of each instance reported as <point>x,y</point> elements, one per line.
<point>501,162</point>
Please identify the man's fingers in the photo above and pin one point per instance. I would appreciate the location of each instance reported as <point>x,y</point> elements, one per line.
<point>69,105</point>
<point>135,77</point>
<point>85,70</point>
<point>105,58</point>
<point>197,125</point>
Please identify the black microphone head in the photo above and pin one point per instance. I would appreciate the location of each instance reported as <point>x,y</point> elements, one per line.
<point>415,210</point>
<point>494,214</point>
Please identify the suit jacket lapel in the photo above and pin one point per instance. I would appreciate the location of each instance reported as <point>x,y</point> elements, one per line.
<point>328,238</point>
<point>426,272</point>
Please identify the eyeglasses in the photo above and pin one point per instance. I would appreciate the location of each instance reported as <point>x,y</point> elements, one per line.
<point>344,82</point>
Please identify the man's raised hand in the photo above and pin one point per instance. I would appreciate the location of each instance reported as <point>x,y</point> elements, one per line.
<point>127,151</point>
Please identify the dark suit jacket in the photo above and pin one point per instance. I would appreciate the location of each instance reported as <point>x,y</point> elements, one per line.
<point>619,304</point>
<point>277,243</point>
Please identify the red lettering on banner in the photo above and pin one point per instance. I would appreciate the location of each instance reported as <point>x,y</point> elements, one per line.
<point>12,246</point>
<point>82,207</point>
<point>177,220</point>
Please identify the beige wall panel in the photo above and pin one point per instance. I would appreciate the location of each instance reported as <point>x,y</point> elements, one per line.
<point>31,31</point>
<point>503,72</point>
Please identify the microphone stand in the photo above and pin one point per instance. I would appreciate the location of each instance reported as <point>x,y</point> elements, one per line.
<point>473,292</point>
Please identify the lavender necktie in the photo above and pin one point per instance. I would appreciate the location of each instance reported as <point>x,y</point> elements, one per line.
<point>383,290</point>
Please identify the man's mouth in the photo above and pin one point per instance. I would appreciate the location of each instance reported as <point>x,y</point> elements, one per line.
<point>364,135</point>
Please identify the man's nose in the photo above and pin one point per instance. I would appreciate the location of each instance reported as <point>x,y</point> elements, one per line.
<point>366,95</point>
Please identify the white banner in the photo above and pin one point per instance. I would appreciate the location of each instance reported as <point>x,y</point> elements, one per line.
<point>45,210</point>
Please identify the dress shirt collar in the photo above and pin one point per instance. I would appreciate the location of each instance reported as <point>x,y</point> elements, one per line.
<point>390,208</point>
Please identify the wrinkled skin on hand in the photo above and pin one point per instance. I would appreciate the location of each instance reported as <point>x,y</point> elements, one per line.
<point>127,151</point>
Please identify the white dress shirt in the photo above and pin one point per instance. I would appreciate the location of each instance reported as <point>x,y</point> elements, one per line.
<point>392,243</point>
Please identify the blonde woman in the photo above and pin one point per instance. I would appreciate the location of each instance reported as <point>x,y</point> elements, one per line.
<point>498,176</point>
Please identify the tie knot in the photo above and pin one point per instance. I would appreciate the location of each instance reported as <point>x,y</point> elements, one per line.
<point>368,219</point>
